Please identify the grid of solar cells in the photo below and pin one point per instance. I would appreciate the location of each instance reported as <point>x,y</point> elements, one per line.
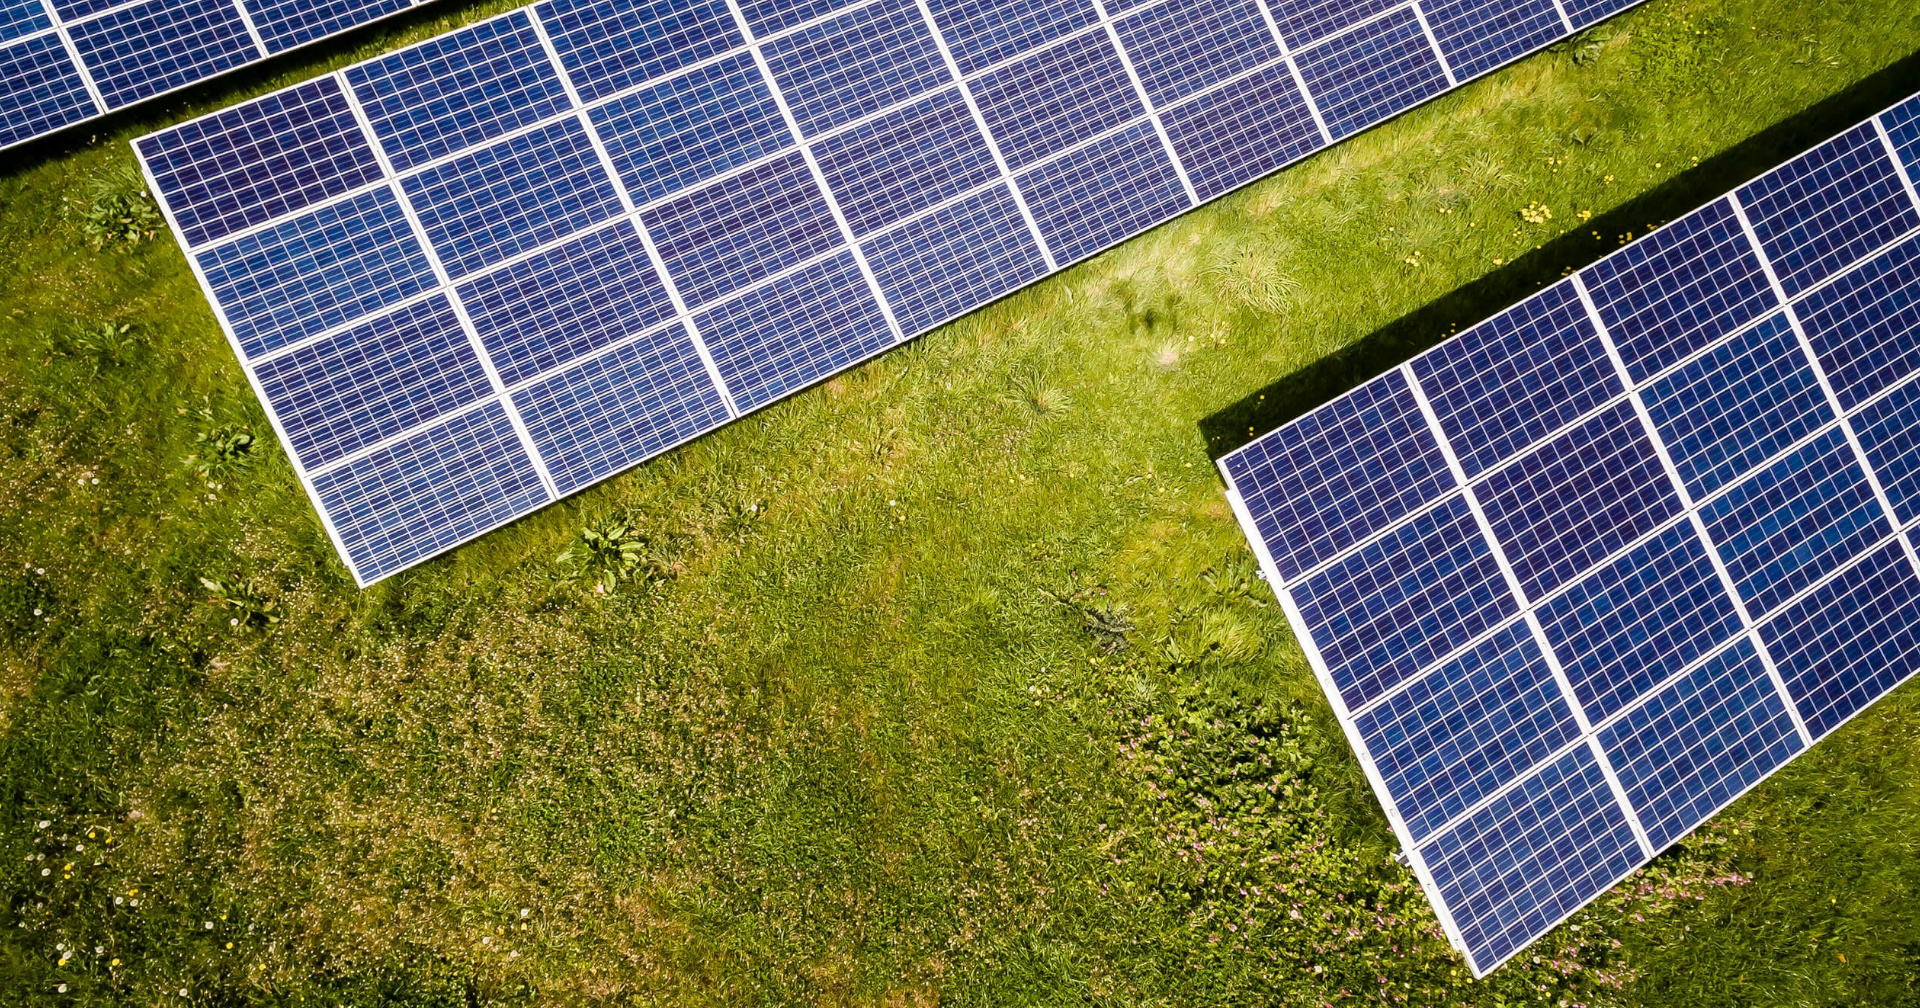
<point>783,188</point>
<point>64,63</point>
<point>1581,575</point>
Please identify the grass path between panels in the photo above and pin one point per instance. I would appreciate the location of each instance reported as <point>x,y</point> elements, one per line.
<point>947,682</point>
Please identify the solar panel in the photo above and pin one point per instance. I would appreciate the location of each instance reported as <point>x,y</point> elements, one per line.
<point>1581,575</point>
<point>780,189</point>
<point>67,61</point>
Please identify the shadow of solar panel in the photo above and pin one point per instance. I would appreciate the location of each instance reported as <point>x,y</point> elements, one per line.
<point>1698,507</point>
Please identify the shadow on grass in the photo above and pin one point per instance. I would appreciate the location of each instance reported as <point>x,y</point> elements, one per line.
<point>1291,396</point>
<point>222,90</point>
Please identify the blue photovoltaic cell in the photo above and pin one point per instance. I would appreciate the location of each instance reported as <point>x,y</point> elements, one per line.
<point>352,389</point>
<point>1638,620</point>
<point>766,17</point>
<point>139,51</point>
<point>1099,194</point>
<point>856,64</point>
<point>335,263</point>
<point>1738,405</point>
<point>1865,326</point>
<point>496,202</point>
<point>691,128</point>
<point>981,35</point>
<point>1478,35</point>
<point>1785,526</point>
<point>605,414</point>
<point>1903,128</point>
<point>544,311</point>
<point>743,229</point>
<point>1851,640</point>
<point>1348,470</point>
<point>1585,12</point>
<point>1458,733</point>
<point>612,45</point>
<point>1889,432</point>
<point>416,496</point>
<point>1245,129</point>
<point>1827,208</point>
<point>284,24</point>
<point>74,10</point>
<point>22,17</point>
<point>946,262</point>
<point>261,160</point>
<point>43,90</point>
<point>1577,499</point>
<point>1697,744</point>
<point>1517,377</point>
<point>1679,289</point>
<point>890,168</point>
<point>791,333</point>
<point>1404,601</point>
<point>1362,77</point>
<point>1182,46</point>
<point>1532,856</point>
<point>1304,22</point>
<point>1055,99</point>
<point>458,90</point>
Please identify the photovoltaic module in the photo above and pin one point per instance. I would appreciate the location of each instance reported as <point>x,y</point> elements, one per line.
<point>1579,576</point>
<point>66,61</point>
<point>480,273</point>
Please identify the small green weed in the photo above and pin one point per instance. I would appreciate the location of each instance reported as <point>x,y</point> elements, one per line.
<point>119,211</point>
<point>250,606</point>
<point>608,552</point>
<point>223,448</point>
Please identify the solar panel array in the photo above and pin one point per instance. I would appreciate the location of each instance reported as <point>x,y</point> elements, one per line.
<point>483,272</point>
<point>1581,575</point>
<point>65,61</point>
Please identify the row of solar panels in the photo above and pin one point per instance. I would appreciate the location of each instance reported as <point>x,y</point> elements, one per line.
<point>65,61</point>
<point>485,271</point>
<point>1581,575</point>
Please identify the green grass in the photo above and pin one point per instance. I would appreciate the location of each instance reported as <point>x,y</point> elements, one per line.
<point>943,683</point>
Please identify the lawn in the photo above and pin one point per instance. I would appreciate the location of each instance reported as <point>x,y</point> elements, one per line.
<point>946,682</point>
